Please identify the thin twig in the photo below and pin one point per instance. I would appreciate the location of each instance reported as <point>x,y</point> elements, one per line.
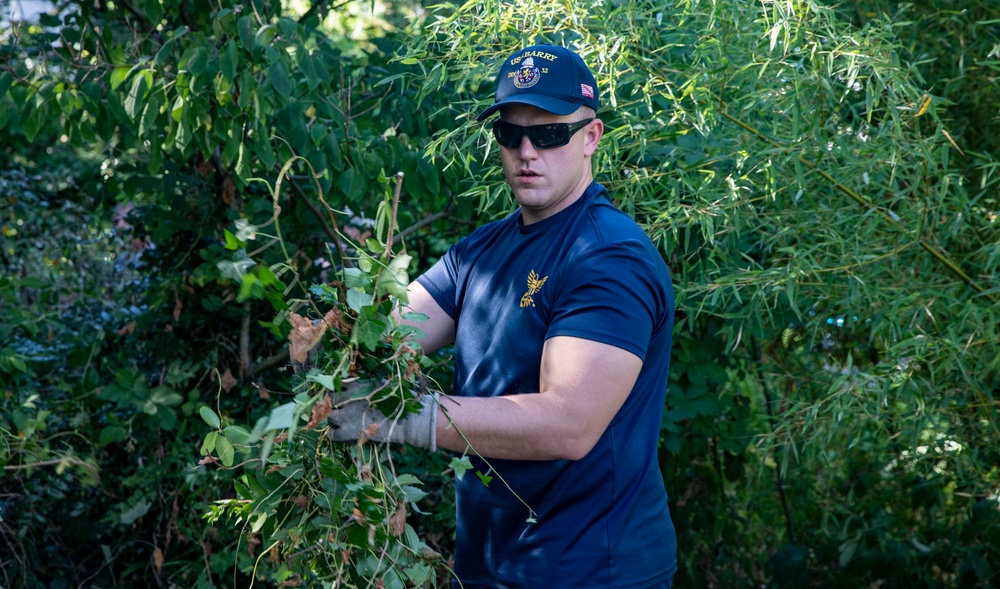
<point>53,462</point>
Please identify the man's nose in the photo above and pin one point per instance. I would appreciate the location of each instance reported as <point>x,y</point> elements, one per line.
<point>526,150</point>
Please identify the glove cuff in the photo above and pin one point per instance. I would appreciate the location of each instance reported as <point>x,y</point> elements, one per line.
<point>426,421</point>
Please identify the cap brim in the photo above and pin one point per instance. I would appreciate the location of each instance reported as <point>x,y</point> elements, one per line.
<point>546,103</point>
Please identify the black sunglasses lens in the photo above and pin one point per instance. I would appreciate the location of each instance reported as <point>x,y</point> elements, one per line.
<point>507,134</point>
<point>543,136</point>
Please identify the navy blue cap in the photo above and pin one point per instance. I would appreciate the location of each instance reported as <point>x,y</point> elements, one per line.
<point>552,78</point>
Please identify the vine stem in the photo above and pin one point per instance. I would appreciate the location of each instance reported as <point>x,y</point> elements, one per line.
<point>392,219</point>
<point>396,192</point>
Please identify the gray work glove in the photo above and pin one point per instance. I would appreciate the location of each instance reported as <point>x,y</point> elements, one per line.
<point>354,419</point>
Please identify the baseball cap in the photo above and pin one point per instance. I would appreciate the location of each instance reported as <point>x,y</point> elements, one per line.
<point>552,78</point>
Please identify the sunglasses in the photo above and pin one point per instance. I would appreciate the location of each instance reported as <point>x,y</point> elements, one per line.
<point>541,136</point>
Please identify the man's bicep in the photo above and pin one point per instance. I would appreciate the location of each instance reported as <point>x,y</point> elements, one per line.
<point>439,328</point>
<point>592,378</point>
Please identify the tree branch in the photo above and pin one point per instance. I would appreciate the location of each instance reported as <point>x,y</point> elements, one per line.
<point>245,362</point>
<point>330,232</point>
<point>268,363</point>
<point>420,225</point>
<point>316,7</point>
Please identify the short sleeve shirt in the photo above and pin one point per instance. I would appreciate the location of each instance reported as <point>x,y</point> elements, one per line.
<point>589,272</point>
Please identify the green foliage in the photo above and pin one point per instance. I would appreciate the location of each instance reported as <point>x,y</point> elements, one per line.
<point>834,252</point>
<point>204,174</point>
<point>819,179</point>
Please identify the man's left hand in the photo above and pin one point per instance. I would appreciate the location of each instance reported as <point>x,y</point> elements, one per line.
<point>355,419</point>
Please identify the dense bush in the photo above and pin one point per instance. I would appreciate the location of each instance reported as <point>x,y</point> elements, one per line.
<point>818,178</point>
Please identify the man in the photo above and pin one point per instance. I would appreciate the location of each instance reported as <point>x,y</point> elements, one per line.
<point>562,316</point>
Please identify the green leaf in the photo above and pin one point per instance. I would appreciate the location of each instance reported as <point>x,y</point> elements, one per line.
<point>277,75</point>
<point>264,35</point>
<point>258,523</point>
<point>210,417</point>
<point>34,282</point>
<point>232,243</point>
<point>118,76</point>
<point>5,82</point>
<point>224,448</point>
<point>166,396</point>
<point>357,299</point>
<point>288,26</point>
<point>243,169</point>
<point>228,60</point>
<point>136,98</point>
<point>485,478</point>
<point>129,516</point>
<point>48,20</point>
<point>151,112</point>
<point>419,574</point>
<point>325,380</point>
<point>194,60</point>
<point>258,431</point>
<point>208,446</point>
<point>461,466</point>
<point>244,27</point>
<point>847,551</point>
<point>246,287</point>
<point>33,122</point>
<point>18,364</point>
<point>112,434</point>
<point>281,417</point>
<point>268,278</point>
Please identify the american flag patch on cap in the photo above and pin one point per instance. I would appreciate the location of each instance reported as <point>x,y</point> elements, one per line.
<point>588,92</point>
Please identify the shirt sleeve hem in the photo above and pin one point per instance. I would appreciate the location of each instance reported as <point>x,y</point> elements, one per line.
<point>604,338</point>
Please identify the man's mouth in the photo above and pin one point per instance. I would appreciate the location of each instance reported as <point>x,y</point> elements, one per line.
<point>527,173</point>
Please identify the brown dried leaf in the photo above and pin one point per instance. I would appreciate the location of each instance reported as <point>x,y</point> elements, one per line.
<point>320,411</point>
<point>335,318</point>
<point>303,337</point>
<point>300,500</point>
<point>397,521</point>
<point>178,308</point>
<point>204,168</point>
<point>228,380</point>
<point>129,329</point>
<point>274,468</point>
<point>228,190</point>
<point>252,543</point>
<point>208,460</point>
<point>357,516</point>
<point>281,437</point>
<point>263,393</point>
<point>274,555</point>
<point>369,433</point>
<point>158,559</point>
<point>365,473</point>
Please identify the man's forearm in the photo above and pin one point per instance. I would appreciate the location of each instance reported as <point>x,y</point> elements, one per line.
<point>517,427</point>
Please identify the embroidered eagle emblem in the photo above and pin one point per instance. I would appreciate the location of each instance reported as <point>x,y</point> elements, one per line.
<point>534,285</point>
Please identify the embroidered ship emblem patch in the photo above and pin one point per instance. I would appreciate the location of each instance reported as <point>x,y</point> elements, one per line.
<point>527,75</point>
<point>534,285</point>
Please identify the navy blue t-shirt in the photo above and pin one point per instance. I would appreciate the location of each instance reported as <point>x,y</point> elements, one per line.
<point>589,272</point>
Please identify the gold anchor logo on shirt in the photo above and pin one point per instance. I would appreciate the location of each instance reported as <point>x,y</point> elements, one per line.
<point>534,285</point>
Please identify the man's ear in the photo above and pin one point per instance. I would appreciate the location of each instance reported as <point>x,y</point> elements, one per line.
<point>594,132</point>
